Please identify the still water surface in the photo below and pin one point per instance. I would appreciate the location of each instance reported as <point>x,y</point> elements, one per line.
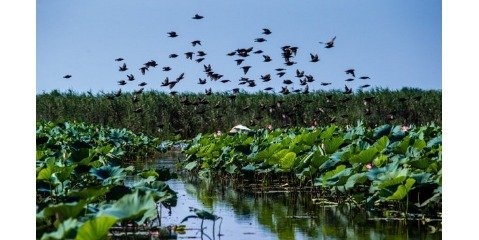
<point>280,215</point>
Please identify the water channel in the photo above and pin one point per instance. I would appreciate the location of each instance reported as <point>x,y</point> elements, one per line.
<point>279,215</point>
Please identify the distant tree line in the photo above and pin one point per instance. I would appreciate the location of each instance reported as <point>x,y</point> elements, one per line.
<point>184,115</point>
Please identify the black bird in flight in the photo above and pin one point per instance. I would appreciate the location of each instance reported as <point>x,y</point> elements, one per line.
<point>267,58</point>
<point>349,79</point>
<point>325,83</point>
<point>266,31</point>
<point>314,58</point>
<point>199,60</point>
<point>280,74</point>
<point>330,43</point>
<point>239,61</point>
<point>245,69</point>
<point>143,70</point>
<point>347,90</point>
<point>172,34</point>
<point>201,81</point>
<point>173,55</point>
<point>123,68</point>
<point>287,81</point>
<point>231,53</point>
<point>201,54</point>
<point>197,17</point>
<point>196,42</point>
<point>266,77</point>
<point>189,55</point>
<point>166,69</point>
<point>142,84</point>
<point>364,77</point>
<point>122,82</point>
<point>365,86</point>
<point>350,71</point>
<point>268,89</point>
<point>119,59</point>
<point>260,40</point>
<point>258,52</point>
<point>67,76</point>
<point>130,77</point>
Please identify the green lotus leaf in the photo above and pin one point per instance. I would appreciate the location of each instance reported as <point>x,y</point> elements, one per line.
<point>402,190</point>
<point>318,160</point>
<point>149,173</point>
<point>358,178</point>
<point>64,211</point>
<point>419,144</point>
<point>380,131</point>
<point>381,143</point>
<point>109,173</point>
<point>332,145</point>
<point>365,156</point>
<point>403,146</point>
<point>136,207</point>
<point>190,166</point>
<point>66,230</point>
<point>288,161</point>
<point>97,228</point>
<point>231,168</point>
<point>380,160</point>
<point>88,194</point>
<point>391,182</point>
<point>328,132</point>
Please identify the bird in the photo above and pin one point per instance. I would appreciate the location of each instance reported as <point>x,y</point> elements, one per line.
<point>166,68</point>
<point>239,61</point>
<point>201,54</point>
<point>196,42</point>
<point>260,40</point>
<point>199,60</point>
<point>280,74</point>
<point>258,52</point>
<point>245,69</point>
<point>201,81</point>
<point>364,77</point>
<point>122,82</point>
<point>330,43</point>
<point>349,79</point>
<point>287,81</point>
<point>225,80</point>
<point>67,76</point>
<point>266,77</point>
<point>130,77</point>
<point>325,83</point>
<point>347,90</point>
<point>266,31</point>
<point>365,86</point>
<point>119,59</point>
<point>143,70</point>
<point>142,84</point>
<point>197,17</point>
<point>231,53</point>
<point>314,58</point>
<point>350,71</point>
<point>123,68</point>
<point>267,58</point>
<point>173,55</point>
<point>189,55</point>
<point>172,34</point>
<point>268,89</point>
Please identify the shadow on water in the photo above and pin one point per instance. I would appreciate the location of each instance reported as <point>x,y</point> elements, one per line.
<point>279,215</point>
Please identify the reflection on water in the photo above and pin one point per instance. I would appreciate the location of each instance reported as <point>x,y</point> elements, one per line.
<point>279,216</point>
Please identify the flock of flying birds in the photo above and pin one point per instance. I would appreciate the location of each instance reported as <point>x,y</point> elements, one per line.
<point>240,56</point>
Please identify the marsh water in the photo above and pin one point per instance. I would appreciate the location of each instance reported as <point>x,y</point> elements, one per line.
<point>277,215</point>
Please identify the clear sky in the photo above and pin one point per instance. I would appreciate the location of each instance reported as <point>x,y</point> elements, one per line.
<point>396,43</point>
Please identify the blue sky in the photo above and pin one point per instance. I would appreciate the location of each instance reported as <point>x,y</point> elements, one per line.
<point>396,43</point>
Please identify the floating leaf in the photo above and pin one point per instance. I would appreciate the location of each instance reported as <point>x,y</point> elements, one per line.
<point>402,190</point>
<point>96,228</point>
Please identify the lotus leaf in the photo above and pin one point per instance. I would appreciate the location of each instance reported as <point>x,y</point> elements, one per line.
<point>96,228</point>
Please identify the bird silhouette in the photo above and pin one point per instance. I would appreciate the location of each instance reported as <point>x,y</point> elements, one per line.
<point>142,84</point>
<point>166,68</point>
<point>266,58</point>
<point>196,42</point>
<point>347,90</point>
<point>325,83</point>
<point>172,34</point>
<point>258,52</point>
<point>119,59</point>
<point>67,76</point>
<point>280,74</point>
<point>260,40</point>
<point>201,54</point>
<point>201,81</point>
<point>314,58</point>
<point>189,55</point>
<point>266,31</point>
<point>173,55</point>
<point>287,81</point>
<point>364,77</point>
<point>197,17</point>
<point>365,86</point>
<point>266,77</point>
<point>198,60</point>
<point>245,69</point>
<point>239,61</point>
<point>122,82</point>
<point>349,79</point>
<point>130,77</point>
<point>350,71</point>
<point>143,70</point>
<point>330,43</point>
<point>123,68</point>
